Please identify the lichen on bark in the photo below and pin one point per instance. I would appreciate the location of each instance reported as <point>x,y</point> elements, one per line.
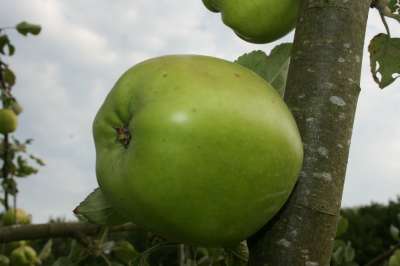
<point>322,92</point>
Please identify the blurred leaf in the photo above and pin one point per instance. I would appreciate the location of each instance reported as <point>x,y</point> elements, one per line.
<point>64,261</point>
<point>385,59</point>
<point>395,259</point>
<point>342,226</point>
<point>5,42</point>
<point>46,250</point>
<point>394,232</point>
<point>37,160</point>
<point>349,253</point>
<point>10,186</point>
<point>272,68</point>
<point>77,252</point>
<point>23,168</point>
<point>4,260</point>
<point>394,5</point>
<point>125,252</point>
<point>24,28</point>
<point>9,76</point>
<point>96,209</point>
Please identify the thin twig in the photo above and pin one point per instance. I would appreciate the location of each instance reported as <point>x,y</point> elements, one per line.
<point>54,230</point>
<point>384,256</point>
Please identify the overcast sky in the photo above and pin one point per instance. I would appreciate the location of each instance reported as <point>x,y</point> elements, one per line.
<point>65,73</point>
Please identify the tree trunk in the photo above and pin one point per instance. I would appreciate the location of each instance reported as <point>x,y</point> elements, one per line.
<point>322,92</point>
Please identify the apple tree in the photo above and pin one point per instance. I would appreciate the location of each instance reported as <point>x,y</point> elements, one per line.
<point>318,79</point>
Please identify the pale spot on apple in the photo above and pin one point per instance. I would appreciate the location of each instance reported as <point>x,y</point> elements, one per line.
<point>179,117</point>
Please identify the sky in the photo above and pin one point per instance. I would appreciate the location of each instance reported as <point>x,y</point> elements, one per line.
<point>64,74</point>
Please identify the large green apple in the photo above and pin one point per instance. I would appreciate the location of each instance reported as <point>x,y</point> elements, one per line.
<point>197,149</point>
<point>8,121</point>
<point>257,21</point>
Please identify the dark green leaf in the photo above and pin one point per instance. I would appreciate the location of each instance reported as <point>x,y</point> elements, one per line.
<point>24,28</point>
<point>11,49</point>
<point>272,68</point>
<point>9,76</point>
<point>10,186</point>
<point>23,168</point>
<point>64,261</point>
<point>395,232</point>
<point>37,160</point>
<point>342,226</point>
<point>96,209</point>
<point>5,42</point>
<point>385,59</point>
<point>394,5</point>
<point>125,252</point>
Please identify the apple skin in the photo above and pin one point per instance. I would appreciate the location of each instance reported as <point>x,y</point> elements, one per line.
<point>214,151</point>
<point>16,216</point>
<point>257,21</point>
<point>8,121</point>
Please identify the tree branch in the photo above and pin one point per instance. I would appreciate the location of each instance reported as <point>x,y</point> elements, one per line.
<point>322,92</point>
<point>54,230</point>
<point>384,256</point>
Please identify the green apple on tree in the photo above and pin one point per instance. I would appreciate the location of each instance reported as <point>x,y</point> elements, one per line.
<point>197,149</point>
<point>257,21</point>
<point>24,256</point>
<point>8,121</point>
<point>16,216</point>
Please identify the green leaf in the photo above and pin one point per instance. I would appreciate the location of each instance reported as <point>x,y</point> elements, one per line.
<point>125,252</point>
<point>342,226</point>
<point>273,68</point>
<point>395,259</point>
<point>394,5</point>
<point>4,261</point>
<point>24,28</point>
<point>349,253</point>
<point>46,250</point>
<point>5,42</point>
<point>385,59</point>
<point>9,76</point>
<point>96,209</point>
<point>395,232</point>
<point>10,186</point>
<point>64,261</point>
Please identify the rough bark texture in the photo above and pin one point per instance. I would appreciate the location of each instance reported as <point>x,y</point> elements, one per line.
<point>322,92</point>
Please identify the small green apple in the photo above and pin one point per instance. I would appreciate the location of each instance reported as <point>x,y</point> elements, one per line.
<point>197,149</point>
<point>8,121</point>
<point>257,21</point>
<point>24,256</point>
<point>16,216</point>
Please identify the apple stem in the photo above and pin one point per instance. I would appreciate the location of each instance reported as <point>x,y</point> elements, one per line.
<point>123,136</point>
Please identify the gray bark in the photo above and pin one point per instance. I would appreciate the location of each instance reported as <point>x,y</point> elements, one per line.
<point>322,92</point>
